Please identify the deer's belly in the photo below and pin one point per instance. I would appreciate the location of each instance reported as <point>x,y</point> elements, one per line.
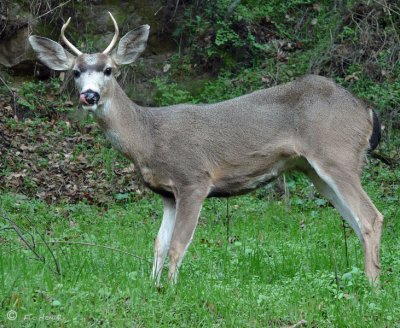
<point>230,182</point>
<point>241,184</point>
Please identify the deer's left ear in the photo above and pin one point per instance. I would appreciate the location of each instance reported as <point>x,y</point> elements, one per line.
<point>131,45</point>
<point>51,53</point>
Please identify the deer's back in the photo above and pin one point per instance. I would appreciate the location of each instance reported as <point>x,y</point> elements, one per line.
<point>310,110</point>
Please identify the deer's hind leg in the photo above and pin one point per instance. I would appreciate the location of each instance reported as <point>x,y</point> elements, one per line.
<point>343,188</point>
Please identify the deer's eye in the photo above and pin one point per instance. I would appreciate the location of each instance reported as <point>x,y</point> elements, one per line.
<point>77,74</point>
<point>108,71</point>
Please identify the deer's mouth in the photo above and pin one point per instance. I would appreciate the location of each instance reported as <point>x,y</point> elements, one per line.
<point>83,100</point>
<point>89,98</point>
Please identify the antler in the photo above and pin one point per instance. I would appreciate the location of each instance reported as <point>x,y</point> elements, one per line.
<point>114,39</point>
<point>69,44</point>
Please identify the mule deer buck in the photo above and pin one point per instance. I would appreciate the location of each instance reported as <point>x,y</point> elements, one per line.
<point>187,153</point>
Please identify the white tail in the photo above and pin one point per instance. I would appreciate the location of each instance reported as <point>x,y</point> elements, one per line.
<point>187,153</point>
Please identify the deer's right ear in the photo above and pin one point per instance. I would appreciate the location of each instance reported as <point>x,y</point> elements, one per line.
<point>51,53</point>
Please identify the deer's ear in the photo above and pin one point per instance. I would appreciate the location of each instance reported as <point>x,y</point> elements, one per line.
<point>51,53</point>
<point>131,45</point>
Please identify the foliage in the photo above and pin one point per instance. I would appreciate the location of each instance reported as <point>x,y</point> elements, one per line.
<point>41,96</point>
<point>384,95</point>
<point>170,93</point>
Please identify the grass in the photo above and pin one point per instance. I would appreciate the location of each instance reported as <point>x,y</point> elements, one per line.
<point>281,264</point>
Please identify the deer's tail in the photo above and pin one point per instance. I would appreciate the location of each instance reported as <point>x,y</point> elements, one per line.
<point>375,137</point>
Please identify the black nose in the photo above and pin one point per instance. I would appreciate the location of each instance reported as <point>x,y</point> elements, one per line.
<point>92,97</point>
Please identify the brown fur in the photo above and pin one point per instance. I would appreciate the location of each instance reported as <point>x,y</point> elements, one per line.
<point>189,152</point>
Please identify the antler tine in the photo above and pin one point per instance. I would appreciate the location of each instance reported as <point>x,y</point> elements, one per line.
<point>114,39</point>
<point>69,44</point>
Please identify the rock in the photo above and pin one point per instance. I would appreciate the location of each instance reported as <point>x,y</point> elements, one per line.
<point>15,49</point>
<point>14,32</point>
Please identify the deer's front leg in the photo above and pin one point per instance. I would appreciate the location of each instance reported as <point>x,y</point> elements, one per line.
<point>163,240</point>
<point>187,214</point>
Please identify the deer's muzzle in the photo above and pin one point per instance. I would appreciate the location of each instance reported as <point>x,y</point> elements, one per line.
<point>89,97</point>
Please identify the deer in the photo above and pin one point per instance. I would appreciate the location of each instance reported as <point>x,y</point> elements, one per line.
<point>187,152</point>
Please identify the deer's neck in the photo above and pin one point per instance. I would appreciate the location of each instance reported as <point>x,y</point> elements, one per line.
<point>125,124</point>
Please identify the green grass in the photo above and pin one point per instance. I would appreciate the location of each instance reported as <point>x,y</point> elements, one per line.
<point>277,269</point>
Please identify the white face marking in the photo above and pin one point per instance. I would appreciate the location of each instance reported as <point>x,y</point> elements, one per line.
<point>91,59</point>
<point>90,81</point>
